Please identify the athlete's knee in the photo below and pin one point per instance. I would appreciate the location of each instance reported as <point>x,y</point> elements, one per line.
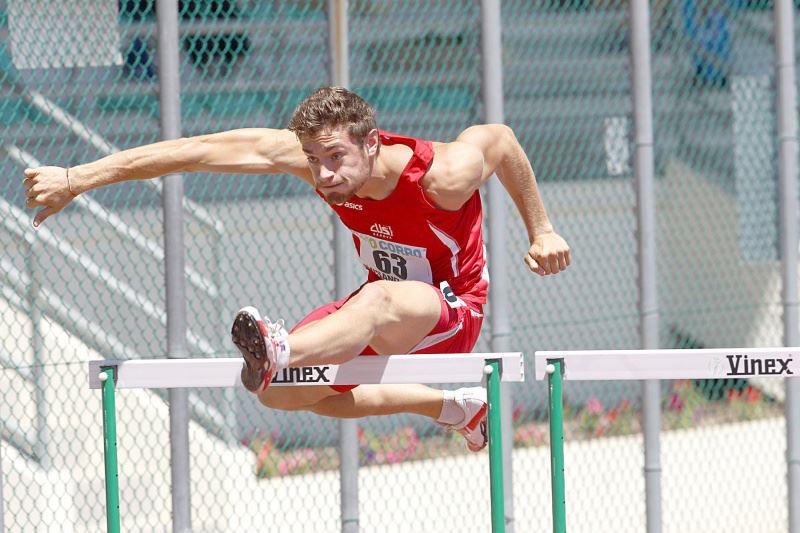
<point>376,296</point>
<point>391,302</point>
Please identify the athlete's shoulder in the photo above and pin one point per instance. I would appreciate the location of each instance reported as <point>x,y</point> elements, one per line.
<point>454,175</point>
<point>474,144</point>
<point>456,159</point>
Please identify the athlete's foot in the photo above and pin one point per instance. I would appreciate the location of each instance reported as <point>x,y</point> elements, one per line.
<point>472,402</point>
<point>263,345</point>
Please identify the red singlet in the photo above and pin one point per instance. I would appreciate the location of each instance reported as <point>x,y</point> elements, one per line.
<point>406,237</point>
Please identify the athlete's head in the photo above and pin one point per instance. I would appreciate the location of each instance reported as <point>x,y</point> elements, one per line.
<point>337,130</point>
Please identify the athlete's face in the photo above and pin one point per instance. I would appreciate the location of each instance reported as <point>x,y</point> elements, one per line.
<point>340,165</point>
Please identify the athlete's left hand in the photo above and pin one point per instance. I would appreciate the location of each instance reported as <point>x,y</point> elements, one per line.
<point>549,254</point>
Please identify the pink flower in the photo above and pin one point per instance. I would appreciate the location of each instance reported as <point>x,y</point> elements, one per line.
<point>594,406</point>
<point>676,403</point>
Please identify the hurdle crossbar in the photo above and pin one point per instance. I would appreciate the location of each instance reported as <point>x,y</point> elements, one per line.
<point>599,365</point>
<point>224,372</point>
<point>594,365</point>
<point>109,375</point>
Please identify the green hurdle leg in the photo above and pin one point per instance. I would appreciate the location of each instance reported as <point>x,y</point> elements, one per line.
<point>110,451</point>
<point>556,409</point>
<point>495,446</point>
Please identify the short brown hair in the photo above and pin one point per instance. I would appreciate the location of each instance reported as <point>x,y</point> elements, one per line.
<point>333,107</point>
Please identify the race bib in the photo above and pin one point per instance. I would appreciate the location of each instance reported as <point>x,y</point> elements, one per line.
<point>394,261</point>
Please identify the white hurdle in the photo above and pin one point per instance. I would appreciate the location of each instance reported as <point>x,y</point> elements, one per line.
<point>109,375</point>
<point>224,372</point>
<point>600,365</point>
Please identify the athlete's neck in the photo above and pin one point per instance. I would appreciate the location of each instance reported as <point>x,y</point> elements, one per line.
<point>389,165</point>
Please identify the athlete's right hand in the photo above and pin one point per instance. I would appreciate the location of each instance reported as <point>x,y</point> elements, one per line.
<point>549,254</point>
<point>48,188</point>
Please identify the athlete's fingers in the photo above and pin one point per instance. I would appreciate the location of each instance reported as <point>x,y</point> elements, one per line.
<point>30,172</point>
<point>531,262</point>
<point>559,261</point>
<point>31,203</point>
<point>563,261</point>
<point>554,268</point>
<point>43,215</point>
<point>543,259</point>
<point>534,266</point>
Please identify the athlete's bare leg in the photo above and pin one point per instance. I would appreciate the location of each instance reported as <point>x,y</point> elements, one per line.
<point>463,410</point>
<point>392,318</point>
<point>364,400</point>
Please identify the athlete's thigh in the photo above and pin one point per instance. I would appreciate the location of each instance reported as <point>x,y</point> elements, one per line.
<point>411,309</point>
<point>295,398</point>
<point>319,313</point>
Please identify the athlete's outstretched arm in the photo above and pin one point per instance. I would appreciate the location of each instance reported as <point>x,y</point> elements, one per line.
<point>253,151</point>
<point>503,155</point>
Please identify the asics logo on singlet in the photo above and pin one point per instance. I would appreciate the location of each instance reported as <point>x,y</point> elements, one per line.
<point>381,230</point>
<point>354,206</point>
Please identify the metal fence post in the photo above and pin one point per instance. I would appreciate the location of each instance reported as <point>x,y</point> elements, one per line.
<point>492,67</point>
<point>348,428</point>
<point>231,411</point>
<point>787,175</point>
<point>170,98</point>
<point>646,215</point>
<point>42,442</point>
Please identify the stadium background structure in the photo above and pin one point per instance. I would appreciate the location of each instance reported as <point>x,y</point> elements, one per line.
<point>722,136</point>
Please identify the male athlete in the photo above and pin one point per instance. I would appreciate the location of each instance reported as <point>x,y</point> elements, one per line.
<point>414,210</point>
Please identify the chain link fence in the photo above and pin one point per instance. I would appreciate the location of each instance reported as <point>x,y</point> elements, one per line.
<point>720,286</point>
<point>89,283</point>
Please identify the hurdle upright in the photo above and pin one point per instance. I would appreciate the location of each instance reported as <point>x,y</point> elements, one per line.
<point>605,365</point>
<point>491,368</point>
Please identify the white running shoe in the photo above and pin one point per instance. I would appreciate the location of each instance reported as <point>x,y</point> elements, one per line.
<point>263,345</point>
<point>472,402</point>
